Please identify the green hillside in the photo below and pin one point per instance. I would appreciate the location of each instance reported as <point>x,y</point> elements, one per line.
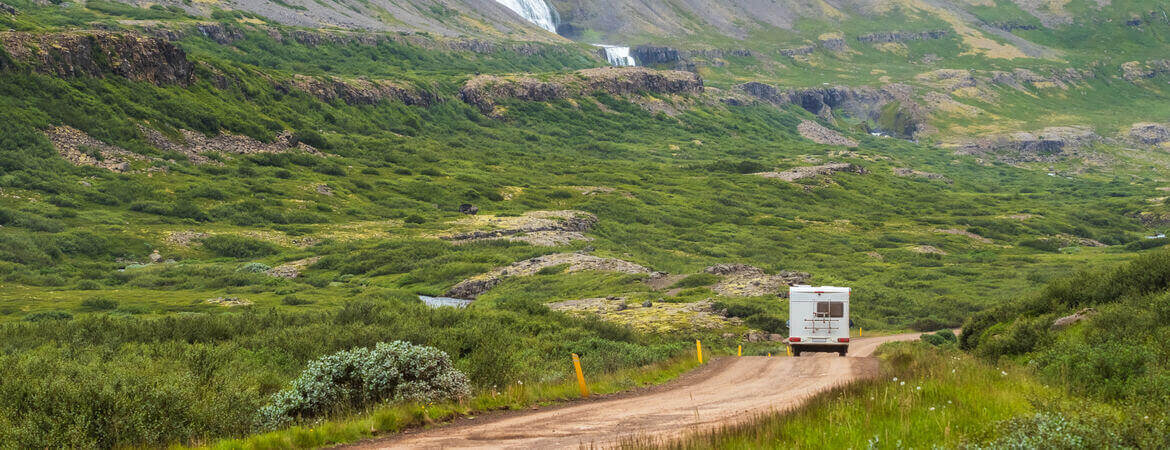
<point>196,207</point>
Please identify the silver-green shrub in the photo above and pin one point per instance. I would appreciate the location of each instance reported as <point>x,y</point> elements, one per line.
<point>396,371</point>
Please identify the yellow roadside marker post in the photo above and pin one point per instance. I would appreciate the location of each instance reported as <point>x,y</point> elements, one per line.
<point>699,350</point>
<point>769,354</point>
<point>580,376</point>
<point>789,350</point>
<point>739,351</point>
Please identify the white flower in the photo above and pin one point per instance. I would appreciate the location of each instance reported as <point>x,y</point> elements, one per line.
<point>1003,373</point>
<point>519,382</point>
<point>903,383</point>
<point>932,408</point>
<point>919,388</point>
<point>948,402</point>
<point>895,378</point>
<point>871,398</point>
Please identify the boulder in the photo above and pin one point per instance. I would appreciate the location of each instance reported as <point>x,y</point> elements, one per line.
<point>469,209</point>
<point>1074,318</point>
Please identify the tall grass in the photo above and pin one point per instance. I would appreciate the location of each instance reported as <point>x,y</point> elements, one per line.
<point>923,398</point>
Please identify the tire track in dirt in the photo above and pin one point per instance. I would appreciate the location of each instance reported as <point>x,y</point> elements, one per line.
<point>726,391</point>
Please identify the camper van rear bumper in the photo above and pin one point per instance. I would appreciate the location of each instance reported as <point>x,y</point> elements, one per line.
<point>825,347</point>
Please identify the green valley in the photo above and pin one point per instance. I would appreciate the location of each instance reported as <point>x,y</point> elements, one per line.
<point>206,209</point>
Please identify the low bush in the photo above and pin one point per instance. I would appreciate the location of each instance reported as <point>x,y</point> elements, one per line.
<point>292,300</point>
<point>696,280</point>
<point>43,316</point>
<point>396,371</point>
<point>99,304</point>
<point>232,246</point>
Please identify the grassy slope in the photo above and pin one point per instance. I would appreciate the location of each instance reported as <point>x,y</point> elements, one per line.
<point>399,173</point>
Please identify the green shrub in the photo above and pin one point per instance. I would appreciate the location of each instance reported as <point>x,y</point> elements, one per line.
<point>42,316</point>
<point>99,304</point>
<point>1146,244</point>
<point>397,371</point>
<point>767,322</point>
<point>292,300</point>
<point>696,280</point>
<point>232,246</point>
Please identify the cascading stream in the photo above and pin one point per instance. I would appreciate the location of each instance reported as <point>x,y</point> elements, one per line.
<point>617,55</point>
<point>535,11</point>
<point>544,16</point>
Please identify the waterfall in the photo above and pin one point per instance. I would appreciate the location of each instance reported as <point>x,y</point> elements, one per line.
<point>617,56</point>
<point>535,11</point>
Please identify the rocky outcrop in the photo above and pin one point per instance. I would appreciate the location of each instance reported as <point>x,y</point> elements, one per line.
<point>81,149</point>
<point>193,144</point>
<point>797,51</point>
<point>574,262</point>
<point>1047,145</point>
<point>544,228</point>
<point>359,91</point>
<point>863,103</point>
<point>484,91</point>
<point>815,132</point>
<point>742,280</point>
<point>292,269</point>
<point>1074,318</point>
<point>99,54</point>
<point>654,55</point>
<point>799,173</point>
<point>904,172</point>
<point>1150,133</point>
<point>834,42</point>
<point>902,36</point>
<point>1012,26</point>
<point>1134,70</point>
<point>7,9</point>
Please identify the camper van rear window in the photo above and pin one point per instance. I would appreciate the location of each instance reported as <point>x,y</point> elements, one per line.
<point>830,309</point>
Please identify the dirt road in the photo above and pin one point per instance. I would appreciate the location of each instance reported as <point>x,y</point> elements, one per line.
<point>724,391</point>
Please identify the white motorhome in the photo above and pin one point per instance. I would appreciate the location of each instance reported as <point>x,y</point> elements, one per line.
<point>818,319</point>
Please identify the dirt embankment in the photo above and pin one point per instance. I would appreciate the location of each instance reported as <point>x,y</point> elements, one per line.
<point>726,391</point>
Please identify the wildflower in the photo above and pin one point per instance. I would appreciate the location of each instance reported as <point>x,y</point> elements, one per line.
<point>948,402</point>
<point>932,408</point>
<point>895,378</point>
<point>919,388</point>
<point>902,384</point>
<point>519,382</point>
<point>1003,373</point>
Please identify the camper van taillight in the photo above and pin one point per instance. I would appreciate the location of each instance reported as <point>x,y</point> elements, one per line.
<point>793,339</point>
<point>842,339</point>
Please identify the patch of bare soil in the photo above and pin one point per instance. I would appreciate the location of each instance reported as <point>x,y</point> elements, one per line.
<point>574,262</point>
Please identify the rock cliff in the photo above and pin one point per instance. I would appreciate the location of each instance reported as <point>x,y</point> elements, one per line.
<point>99,54</point>
<point>359,91</point>
<point>865,103</point>
<point>484,91</point>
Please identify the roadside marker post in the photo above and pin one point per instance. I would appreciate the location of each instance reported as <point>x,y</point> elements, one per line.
<point>699,350</point>
<point>739,351</point>
<point>789,350</point>
<point>580,376</point>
